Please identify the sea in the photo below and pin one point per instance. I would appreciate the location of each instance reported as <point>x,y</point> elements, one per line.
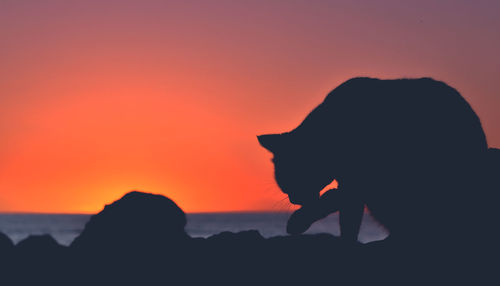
<point>65,227</point>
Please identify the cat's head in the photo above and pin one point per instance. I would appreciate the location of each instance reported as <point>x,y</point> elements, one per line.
<point>299,169</point>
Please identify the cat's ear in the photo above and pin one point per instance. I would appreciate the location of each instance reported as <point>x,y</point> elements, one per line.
<point>271,142</point>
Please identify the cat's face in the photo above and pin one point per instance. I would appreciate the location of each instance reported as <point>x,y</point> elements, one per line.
<point>299,171</point>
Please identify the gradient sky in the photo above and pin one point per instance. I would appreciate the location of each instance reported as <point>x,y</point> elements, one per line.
<point>101,97</point>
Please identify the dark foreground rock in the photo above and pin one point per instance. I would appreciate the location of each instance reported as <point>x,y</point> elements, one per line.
<point>6,249</point>
<point>6,243</point>
<point>39,245</point>
<point>140,240</point>
<point>137,221</point>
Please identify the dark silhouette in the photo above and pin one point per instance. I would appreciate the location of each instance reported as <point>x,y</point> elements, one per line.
<point>411,150</point>
<point>138,219</point>
<point>6,243</point>
<point>397,146</point>
<point>226,258</point>
<point>120,246</point>
<point>140,239</point>
<point>6,248</point>
<point>136,235</point>
<point>38,258</point>
<point>39,244</point>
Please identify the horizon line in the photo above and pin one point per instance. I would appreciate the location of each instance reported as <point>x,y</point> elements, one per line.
<point>89,213</point>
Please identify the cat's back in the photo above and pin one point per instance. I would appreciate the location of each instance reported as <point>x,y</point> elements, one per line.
<point>412,112</point>
<point>397,96</point>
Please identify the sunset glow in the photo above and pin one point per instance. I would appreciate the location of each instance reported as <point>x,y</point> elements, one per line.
<point>103,97</point>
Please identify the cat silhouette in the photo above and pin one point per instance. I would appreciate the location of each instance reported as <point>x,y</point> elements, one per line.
<point>411,151</point>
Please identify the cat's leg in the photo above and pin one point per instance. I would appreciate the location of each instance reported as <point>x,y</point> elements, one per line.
<point>351,215</point>
<point>330,202</point>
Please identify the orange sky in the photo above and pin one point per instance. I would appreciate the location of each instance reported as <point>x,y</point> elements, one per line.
<point>102,97</point>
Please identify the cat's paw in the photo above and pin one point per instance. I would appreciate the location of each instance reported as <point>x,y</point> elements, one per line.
<point>299,221</point>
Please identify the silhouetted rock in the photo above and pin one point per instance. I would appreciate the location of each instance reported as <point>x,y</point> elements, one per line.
<point>140,240</point>
<point>38,244</point>
<point>38,260</point>
<point>6,248</point>
<point>228,246</point>
<point>133,223</point>
<point>238,237</point>
<point>5,243</point>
